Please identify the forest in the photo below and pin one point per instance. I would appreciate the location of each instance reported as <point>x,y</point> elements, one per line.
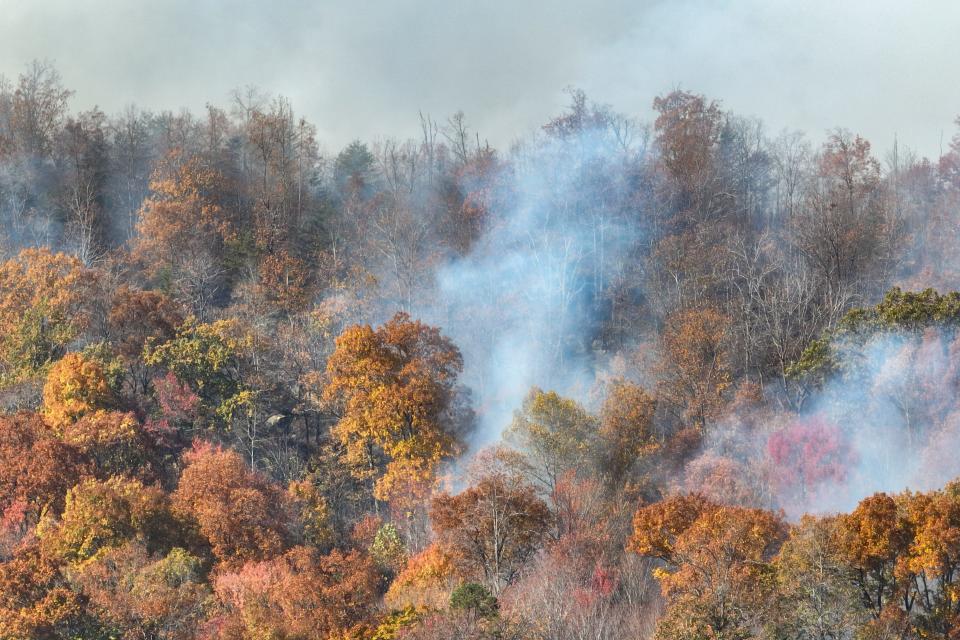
<point>680,379</point>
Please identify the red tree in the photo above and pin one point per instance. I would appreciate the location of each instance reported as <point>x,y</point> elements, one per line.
<point>806,454</point>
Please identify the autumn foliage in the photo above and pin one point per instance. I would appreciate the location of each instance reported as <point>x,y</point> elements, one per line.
<point>239,513</point>
<point>43,307</point>
<point>395,391</point>
<point>618,380</point>
<point>75,386</point>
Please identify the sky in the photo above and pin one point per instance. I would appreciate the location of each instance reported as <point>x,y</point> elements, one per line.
<point>366,68</point>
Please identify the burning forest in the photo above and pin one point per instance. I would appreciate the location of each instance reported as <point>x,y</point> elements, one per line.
<point>671,376</point>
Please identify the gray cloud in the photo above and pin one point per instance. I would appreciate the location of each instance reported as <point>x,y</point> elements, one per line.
<point>364,69</point>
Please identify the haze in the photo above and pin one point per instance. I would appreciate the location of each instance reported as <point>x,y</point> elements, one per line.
<point>365,70</point>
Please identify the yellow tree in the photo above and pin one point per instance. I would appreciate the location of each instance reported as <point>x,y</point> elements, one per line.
<point>44,300</point>
<point>103,515</point>
<point>216,361</point>
<point>75,386</point>
<point>626,429</point>
<point>395,391</point>
<point>556,435</point>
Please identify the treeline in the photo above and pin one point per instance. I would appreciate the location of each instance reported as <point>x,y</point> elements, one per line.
<point>233,406</point>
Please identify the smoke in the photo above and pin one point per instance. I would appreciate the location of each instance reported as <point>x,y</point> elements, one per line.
<point>525,304</point>
<point>25,202</point>
<point>898,408</point>
<point>888,420</point>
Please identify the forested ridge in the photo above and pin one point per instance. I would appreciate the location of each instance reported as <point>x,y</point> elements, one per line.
<point>682,379</point>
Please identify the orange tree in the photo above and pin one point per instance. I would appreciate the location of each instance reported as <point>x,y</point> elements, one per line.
<point>36,600</point>
<point>425,582</point>
<point>183,230</point>
<point>394,389</point>
<point>141,595</point>
<point>492,528</point>
<point>717,577</point>
<point>903,555</point>
<point>874,540</point>
<point>696,373</point>
<point>298,595</point>
<point>137,318</point>
<point>240,514</point>
<point>36,469</point>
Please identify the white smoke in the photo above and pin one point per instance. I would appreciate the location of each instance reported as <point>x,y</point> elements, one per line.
<point>524,305</point>
<point>888,420</point>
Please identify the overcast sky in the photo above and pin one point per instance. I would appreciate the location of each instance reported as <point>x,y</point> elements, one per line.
<point>364,68</point>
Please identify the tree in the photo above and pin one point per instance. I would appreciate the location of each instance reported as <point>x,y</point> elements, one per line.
<point>36,600</point>
<point>728,480</point>
<point>425,582</point>
<point>76,385</point>
<point>315,518</point>
<point>491,528</point>
<point>845,229</point>
<point>819,602</point>
<point>83,149</point>
<point>44,300</point>
<point>805,454</point>
<point>696,368</point>
<point>626,430</point>
<point>394,389</point>
<point>212,359</point>
<point>178,412</point>
<point>931,570</point>
<point>103,515</point>
<point>280,161</point>
<point>38,107</point>
<point>914,330</point>
<point>336,483</point>
<point>354,168</point>
<point>138,318</point>
<point>183,230</point>
<point>564,593</point>
<point>718,577</point>
<point>780,309</point>
<point>132,154</point>
<point>239,513</point>
<point>688,129</point>
<point>299,595</point>
<point>282,283</point>
<point>388,549</point>
<point>872,540</point>
<point>36,469</point>
<point>475,599</point>
<point>140,595</point>
<point>555,433</point>
<point>115,442</point>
